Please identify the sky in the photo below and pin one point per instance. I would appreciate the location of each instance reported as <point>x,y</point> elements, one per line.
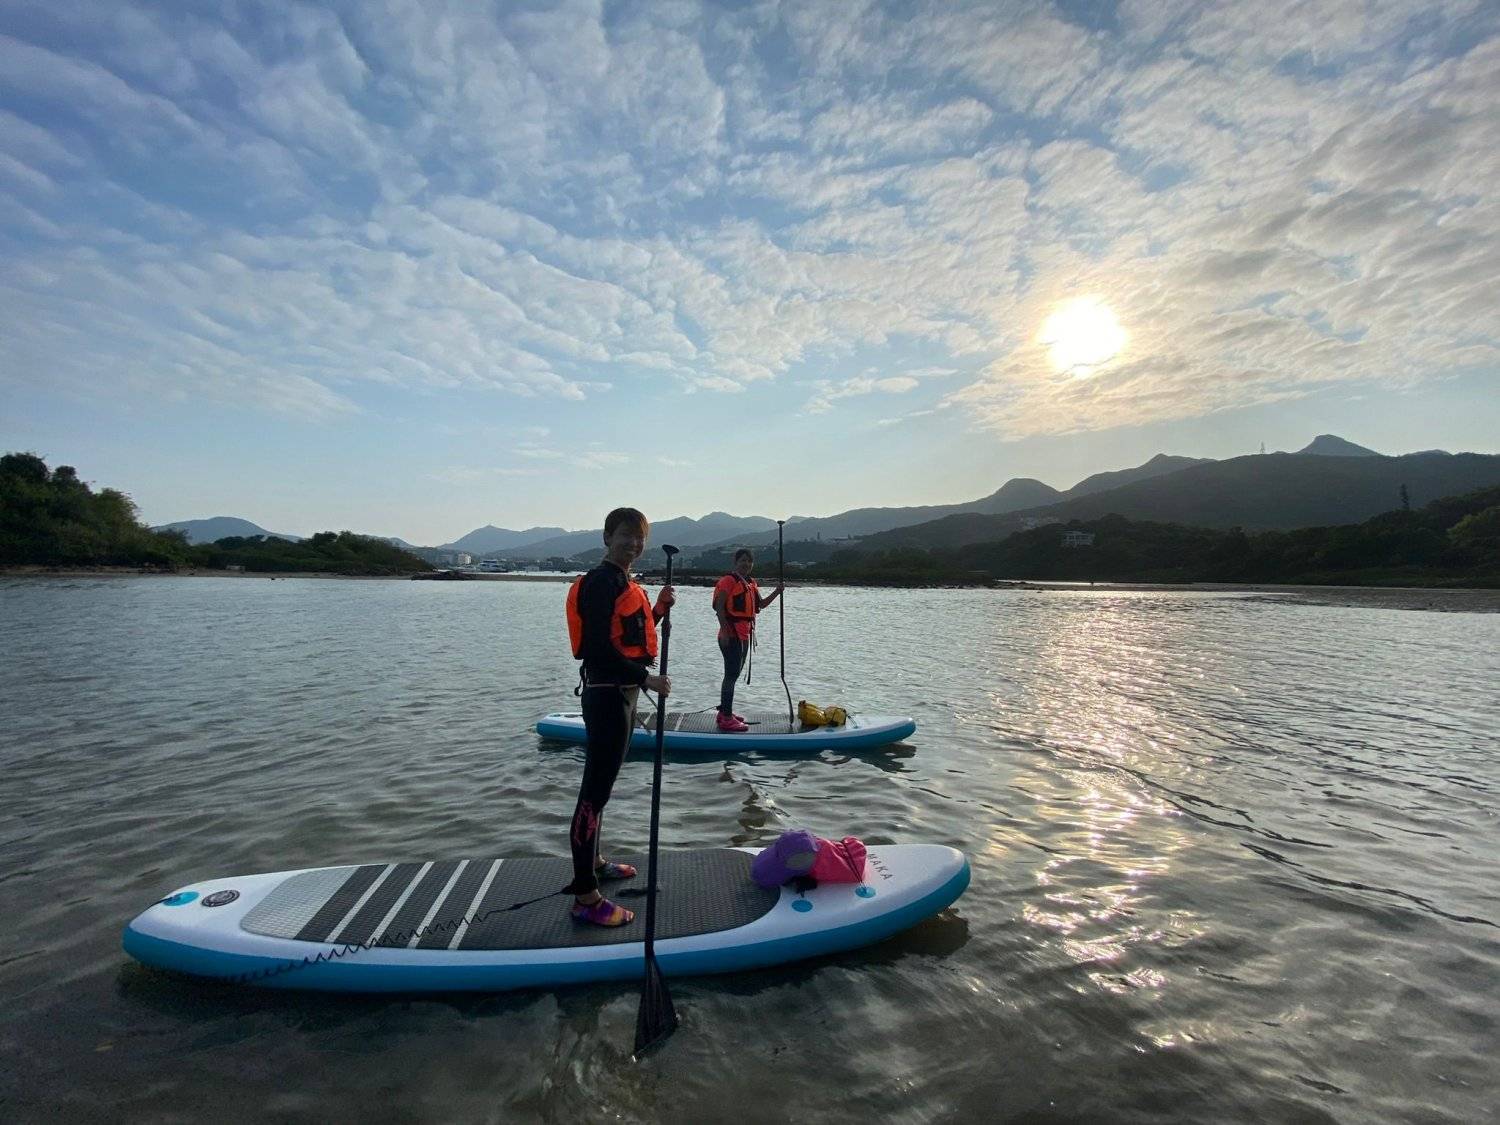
<point>412,268</point>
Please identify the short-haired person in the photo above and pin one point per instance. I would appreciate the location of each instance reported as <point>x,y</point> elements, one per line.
<point>612,625</point>
<point>737,599</point>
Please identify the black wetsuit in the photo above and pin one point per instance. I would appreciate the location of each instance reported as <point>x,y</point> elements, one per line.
<point>611,683</point>
<point>733,650</point>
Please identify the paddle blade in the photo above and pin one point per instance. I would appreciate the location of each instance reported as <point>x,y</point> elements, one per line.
<point>656,1019</point>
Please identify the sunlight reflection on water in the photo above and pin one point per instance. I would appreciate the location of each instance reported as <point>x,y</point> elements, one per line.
<point>1193,819</point>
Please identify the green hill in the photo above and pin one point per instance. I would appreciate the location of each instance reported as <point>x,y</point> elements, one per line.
<point>1454,541</point>
<point>1275,491</point>
<point>48,517</point>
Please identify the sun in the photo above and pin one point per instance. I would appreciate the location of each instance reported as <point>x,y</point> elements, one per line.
<point>1082,335</point>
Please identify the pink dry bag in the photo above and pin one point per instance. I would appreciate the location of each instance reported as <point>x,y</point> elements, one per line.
<point>840,862</point>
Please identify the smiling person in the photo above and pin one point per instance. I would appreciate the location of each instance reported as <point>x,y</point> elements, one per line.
<point>612,626</point>
<point>737,600</point>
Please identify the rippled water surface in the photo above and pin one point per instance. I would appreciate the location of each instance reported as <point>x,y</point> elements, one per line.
<point>1233,860</point>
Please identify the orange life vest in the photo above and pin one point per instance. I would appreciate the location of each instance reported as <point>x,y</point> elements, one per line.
<point>740,602</point>
<point>632,628</point>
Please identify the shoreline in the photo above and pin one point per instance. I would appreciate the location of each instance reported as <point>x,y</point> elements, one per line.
<point>37,571</point>
<point>1433,599</point>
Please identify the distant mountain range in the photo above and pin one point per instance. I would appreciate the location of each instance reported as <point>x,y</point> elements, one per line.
<point>1328,481</point>
<point>489,538</point>
<point>1329,445</point>
<point>1261,492</point>
<point>1016,494</point>
<point>221,527</point>
<point>683,531</point>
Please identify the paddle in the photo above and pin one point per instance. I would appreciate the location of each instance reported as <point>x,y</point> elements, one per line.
<point>656,1019</point>
<point>791,720</point>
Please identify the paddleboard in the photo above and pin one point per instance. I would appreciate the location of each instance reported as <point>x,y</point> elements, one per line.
<point>453,925</point>
<point>696,730</point>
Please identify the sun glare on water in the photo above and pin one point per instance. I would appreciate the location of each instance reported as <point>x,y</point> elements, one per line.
<point>1081,335</point>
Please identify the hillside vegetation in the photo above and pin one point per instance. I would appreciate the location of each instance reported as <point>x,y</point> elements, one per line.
<point>48,517</point>
<point>1266,492</point>
<point>1453,541</point>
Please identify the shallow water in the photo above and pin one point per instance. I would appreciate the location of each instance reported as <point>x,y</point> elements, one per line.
<point>1232,860</point>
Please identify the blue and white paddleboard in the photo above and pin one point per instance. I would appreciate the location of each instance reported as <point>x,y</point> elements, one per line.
<point>696,730</point>
<point>470,925</point>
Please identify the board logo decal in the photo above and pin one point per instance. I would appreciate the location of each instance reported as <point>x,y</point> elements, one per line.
<point>220,898</point>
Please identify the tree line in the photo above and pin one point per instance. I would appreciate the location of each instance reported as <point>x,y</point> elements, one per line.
<point>49,517</point>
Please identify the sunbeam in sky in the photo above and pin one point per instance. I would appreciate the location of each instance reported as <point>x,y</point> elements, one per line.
<point>1082,335</point>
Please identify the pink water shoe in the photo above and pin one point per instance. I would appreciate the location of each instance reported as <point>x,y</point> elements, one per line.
<point>731,724</point>
<point>602,913</point>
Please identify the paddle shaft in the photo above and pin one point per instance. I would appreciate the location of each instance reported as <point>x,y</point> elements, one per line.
<point>656,1018</point>
<point>781,607</point>
<point>661,741</point>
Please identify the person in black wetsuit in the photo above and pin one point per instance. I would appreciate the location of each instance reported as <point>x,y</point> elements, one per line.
<point>613,628</point>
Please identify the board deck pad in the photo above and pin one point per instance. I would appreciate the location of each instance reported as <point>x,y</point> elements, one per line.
<point>461,904</point>
<point>705,722</point>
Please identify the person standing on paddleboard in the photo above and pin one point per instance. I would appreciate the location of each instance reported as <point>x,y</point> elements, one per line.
<point>737,600</point>
<point>612,627</point>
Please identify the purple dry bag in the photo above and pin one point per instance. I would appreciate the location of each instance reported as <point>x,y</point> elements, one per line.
<point>792,854</point>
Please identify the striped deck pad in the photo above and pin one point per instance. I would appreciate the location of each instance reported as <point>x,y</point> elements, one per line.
<point>704,722</point>
<point>461,904</point>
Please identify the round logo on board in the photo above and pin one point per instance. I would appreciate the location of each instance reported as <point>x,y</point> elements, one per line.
<point>220,898</point>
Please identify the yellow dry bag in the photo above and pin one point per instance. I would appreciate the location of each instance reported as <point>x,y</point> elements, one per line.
<point>812,715</point>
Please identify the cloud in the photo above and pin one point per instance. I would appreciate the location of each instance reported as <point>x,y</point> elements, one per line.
<point>829,391</point>
<point>461,476</point>
<point>293,210</point>
<point>572,458</point>
<point>33,143</point>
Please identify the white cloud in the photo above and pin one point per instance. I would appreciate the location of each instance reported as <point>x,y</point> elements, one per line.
<point>467,475</point>
<point>830,391</point>
<point>33,143</point>
<point>592,458</point>
<point>553,204</point>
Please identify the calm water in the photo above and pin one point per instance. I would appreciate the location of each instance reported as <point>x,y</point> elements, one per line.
<point>1232,860</point>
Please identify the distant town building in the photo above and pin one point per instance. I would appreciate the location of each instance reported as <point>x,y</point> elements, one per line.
<point>1078,539</point>
<point>1031,523</point>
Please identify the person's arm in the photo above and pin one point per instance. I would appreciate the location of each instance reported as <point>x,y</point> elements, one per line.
<point>762,602</point>
<point>721,601</point>
<point>664,601</point>
<point>596,605</point>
